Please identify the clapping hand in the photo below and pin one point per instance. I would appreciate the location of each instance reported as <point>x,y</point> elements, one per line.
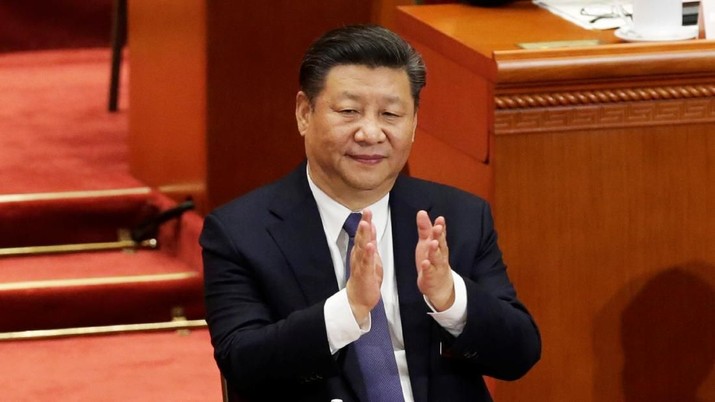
<point>434,276</point>
<point>363,285</point>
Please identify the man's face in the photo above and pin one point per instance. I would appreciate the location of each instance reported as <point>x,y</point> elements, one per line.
<point>359,132</point>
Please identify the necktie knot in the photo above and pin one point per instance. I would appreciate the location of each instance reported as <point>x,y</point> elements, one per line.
<point>351,223</point>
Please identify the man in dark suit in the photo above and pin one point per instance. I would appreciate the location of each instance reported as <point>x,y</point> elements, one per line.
<point>294,291</point>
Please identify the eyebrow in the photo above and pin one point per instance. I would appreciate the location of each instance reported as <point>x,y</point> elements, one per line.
<point>389,98</point>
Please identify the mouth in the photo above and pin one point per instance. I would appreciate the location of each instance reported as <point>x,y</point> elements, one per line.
<point>367,159</point>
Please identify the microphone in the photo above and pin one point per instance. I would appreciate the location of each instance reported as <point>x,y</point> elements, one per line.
<point>150,227</point>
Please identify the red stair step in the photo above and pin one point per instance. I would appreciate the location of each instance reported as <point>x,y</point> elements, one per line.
<point>97,288</point>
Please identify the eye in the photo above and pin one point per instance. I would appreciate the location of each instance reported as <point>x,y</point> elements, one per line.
<point>391,115</point>
<point>348,113</point>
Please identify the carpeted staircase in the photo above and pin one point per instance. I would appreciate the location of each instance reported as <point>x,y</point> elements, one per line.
<point>50,276</point>
<point>91,294</point>
<point>64,181</point>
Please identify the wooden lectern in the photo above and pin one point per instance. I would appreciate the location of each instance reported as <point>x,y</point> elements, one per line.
<point>600,163</point>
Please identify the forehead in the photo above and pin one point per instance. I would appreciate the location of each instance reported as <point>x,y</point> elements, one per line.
<point>348,78</point>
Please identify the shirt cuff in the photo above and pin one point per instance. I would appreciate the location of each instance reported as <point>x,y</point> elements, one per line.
<point>454,318</point>
<point>340,323</point>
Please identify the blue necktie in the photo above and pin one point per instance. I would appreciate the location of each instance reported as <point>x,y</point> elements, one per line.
<point>374,352</point>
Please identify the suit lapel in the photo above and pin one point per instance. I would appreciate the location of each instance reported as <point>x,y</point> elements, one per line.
<point>299,234</point>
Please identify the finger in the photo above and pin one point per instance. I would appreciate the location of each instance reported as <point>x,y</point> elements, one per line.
<point>437,257</point>
<point>364,254</point>
<point>367,257</point>
<point>423,269</point>
<point>440,233</point>
<point>433,255</point>
<point>437,231</point>
<point>367,215</point>
<point>364,232</point>
<point>424,225</point>
<point>441,222</point>
<point>424,275</point>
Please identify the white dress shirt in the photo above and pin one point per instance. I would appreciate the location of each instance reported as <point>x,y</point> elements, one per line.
<point>341,326</point>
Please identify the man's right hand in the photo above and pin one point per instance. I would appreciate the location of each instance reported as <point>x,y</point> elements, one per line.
<point>363,286</point>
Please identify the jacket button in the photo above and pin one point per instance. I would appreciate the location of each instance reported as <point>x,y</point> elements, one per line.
<point>470,355</point>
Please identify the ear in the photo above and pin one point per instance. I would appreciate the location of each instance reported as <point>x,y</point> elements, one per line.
<point>414,127</point>
<point>303,112</point>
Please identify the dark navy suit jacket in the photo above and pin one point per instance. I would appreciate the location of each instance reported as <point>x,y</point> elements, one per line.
<point>268,272</point>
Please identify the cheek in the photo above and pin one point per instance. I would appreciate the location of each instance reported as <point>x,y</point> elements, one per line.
<point>405,148</point>
<point>338,137</point>
<point>331,130</point>
<point>404,140</point>
<point>327,144</point>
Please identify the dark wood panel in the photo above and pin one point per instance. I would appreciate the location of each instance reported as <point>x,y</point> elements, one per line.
<point>254,52</point>
<point>212,90</point>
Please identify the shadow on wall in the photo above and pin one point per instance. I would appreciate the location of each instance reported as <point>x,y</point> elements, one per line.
<point>655,340</point>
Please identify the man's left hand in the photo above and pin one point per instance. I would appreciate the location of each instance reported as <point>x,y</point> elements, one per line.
<point>434,275</point>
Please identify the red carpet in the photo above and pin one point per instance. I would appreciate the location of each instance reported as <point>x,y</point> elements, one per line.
<point>159,366</point>
<point>60,152</point>
<point>56,136</point>
<point>80,289</point>
<point>55,131</point>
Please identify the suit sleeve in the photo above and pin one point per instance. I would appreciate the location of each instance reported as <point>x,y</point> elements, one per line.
<point>500,338</point>
<point>254,348</point>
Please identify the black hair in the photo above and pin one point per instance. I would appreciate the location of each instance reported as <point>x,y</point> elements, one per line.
<point>367,45</point>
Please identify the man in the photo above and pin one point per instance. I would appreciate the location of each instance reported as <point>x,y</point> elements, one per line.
<point>290,309</point>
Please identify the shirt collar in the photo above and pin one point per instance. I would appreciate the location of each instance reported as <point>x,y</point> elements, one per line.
<point>334,214</point>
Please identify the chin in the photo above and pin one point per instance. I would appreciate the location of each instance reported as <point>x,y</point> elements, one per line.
<point>370,183</point>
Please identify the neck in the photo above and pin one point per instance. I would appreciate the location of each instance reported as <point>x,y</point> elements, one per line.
<point>358,202</point>
<point>353,199</point>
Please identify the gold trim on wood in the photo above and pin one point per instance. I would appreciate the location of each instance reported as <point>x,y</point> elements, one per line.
<point>108,280</point>
<point>63,195</point>
<point>78,247</point>
<point>572,98</point>
<point>99,330</point>
<point>682,111</point>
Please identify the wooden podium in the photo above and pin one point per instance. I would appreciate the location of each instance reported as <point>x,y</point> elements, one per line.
<point>600,163</point>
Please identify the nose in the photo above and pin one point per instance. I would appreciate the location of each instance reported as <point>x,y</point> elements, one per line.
<point>370,131</point>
